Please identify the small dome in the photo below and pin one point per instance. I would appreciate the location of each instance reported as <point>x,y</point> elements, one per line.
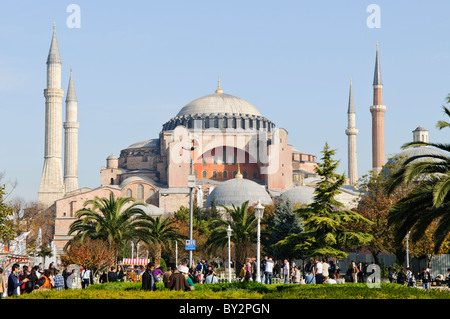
<point>151,210</point>
<point>112,157</point>
<point>237,191</point>
<point>218,103</point>
<point>299,194</point>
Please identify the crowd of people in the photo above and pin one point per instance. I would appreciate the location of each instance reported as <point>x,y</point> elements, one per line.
<point>28,279</point>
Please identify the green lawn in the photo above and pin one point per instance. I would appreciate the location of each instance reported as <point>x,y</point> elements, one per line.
<point>244,290</point>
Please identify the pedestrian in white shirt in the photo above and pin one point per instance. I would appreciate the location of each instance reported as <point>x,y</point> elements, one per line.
<point>286,271</point>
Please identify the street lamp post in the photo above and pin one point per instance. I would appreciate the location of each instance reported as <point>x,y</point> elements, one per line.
<point>407,250</point>
<point>191,185</point>
<point>229,230</point>
<point>259,212</point>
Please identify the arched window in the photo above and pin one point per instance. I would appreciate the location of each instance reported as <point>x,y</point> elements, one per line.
<point>204,174</point>
<point>225,174</point>
<point>129,193</point>
<point>234,174</point>
<point>244,174</point>
<point>214,174</point>
<point>255,174</point>
<point>112,181</point>
<point>140,192</point>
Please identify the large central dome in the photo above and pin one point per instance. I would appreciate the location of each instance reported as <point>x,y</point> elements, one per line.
<point>222,111</point>
<point>219,103</point>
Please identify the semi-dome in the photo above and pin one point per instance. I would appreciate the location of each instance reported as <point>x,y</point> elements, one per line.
<point>236,191</point>
<point>299,194</point>
<point>151,210</point>
<point>219,103</point>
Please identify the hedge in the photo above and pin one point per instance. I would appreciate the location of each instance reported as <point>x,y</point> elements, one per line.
<point>243,290</point>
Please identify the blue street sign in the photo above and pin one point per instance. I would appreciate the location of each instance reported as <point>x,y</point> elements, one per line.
<point>190,244</point>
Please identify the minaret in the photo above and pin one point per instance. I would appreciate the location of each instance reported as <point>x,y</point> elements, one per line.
<point>377,110</point>
<point>351,132</point>
<point>52,187</point>
<point>71,139</point>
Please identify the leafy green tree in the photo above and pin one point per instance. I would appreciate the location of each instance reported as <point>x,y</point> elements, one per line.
<point>430,200</point>
<point>285,222</point>
<point>7,230</point>
<point>158,231</point>
<point>326,225</point>
<point>243,225</point>
<point>375,204</point>
<point>111,219</point>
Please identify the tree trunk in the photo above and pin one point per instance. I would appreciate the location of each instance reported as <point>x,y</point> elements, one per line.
<point>158,251</point>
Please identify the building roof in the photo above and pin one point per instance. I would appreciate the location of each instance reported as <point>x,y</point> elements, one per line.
<point>153,143</point>
<point>218,103</point>
<point>299,194</point>
<point>151,210</point>
<point>236,191</point>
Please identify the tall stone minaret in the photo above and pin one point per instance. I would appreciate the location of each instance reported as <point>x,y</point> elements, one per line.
<point>377,110</point>
<point>71,139</point>
<point>52,186</point>
<point>351,132</point>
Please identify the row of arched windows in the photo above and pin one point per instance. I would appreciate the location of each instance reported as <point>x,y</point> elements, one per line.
<point>139,192</point>
<point>224,174</point>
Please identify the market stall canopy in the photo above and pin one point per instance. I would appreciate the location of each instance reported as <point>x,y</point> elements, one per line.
<point>135,261</point>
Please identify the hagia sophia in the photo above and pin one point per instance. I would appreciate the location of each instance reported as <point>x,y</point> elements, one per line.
<point>218,144</point>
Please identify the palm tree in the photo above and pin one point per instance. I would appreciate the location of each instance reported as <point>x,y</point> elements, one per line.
<point>430,199</point>
<point>111,219</point>
<point>157,231</point>
<point>243,235</point>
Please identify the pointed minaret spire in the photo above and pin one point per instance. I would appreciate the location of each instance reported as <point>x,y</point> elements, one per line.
<point>351,103</point>
<point>377,110</point>
<point>71,139</point>
<point>377,74</point>
<point>52,185</point>
<point>71,96</point>
<point>53,53</point>
<point>351,132</point>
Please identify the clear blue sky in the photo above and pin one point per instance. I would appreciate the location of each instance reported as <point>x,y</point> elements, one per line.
<point>136,63</point>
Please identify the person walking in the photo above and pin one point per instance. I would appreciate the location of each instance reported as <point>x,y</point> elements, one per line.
<point>211,278</point>
<point>120,273</point>
<point>325,270</point>
<point>58,280</point>
<point>426,278</point>
<point>393,276</point>
<point>112,275</point>
<point>2,284</point>
<point>286,271</point>
<point>268,271</point>
<point>318,270</point>
<point>296,275</point>
<point>310,278</point>
<point>354,272</point>
<point>178,280</point>
<point>148,280</point>
<point>13,281</point>
<point>262,269</point>
<point>85,278</point>
<point>166,277</point>
<point>44,281</point>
